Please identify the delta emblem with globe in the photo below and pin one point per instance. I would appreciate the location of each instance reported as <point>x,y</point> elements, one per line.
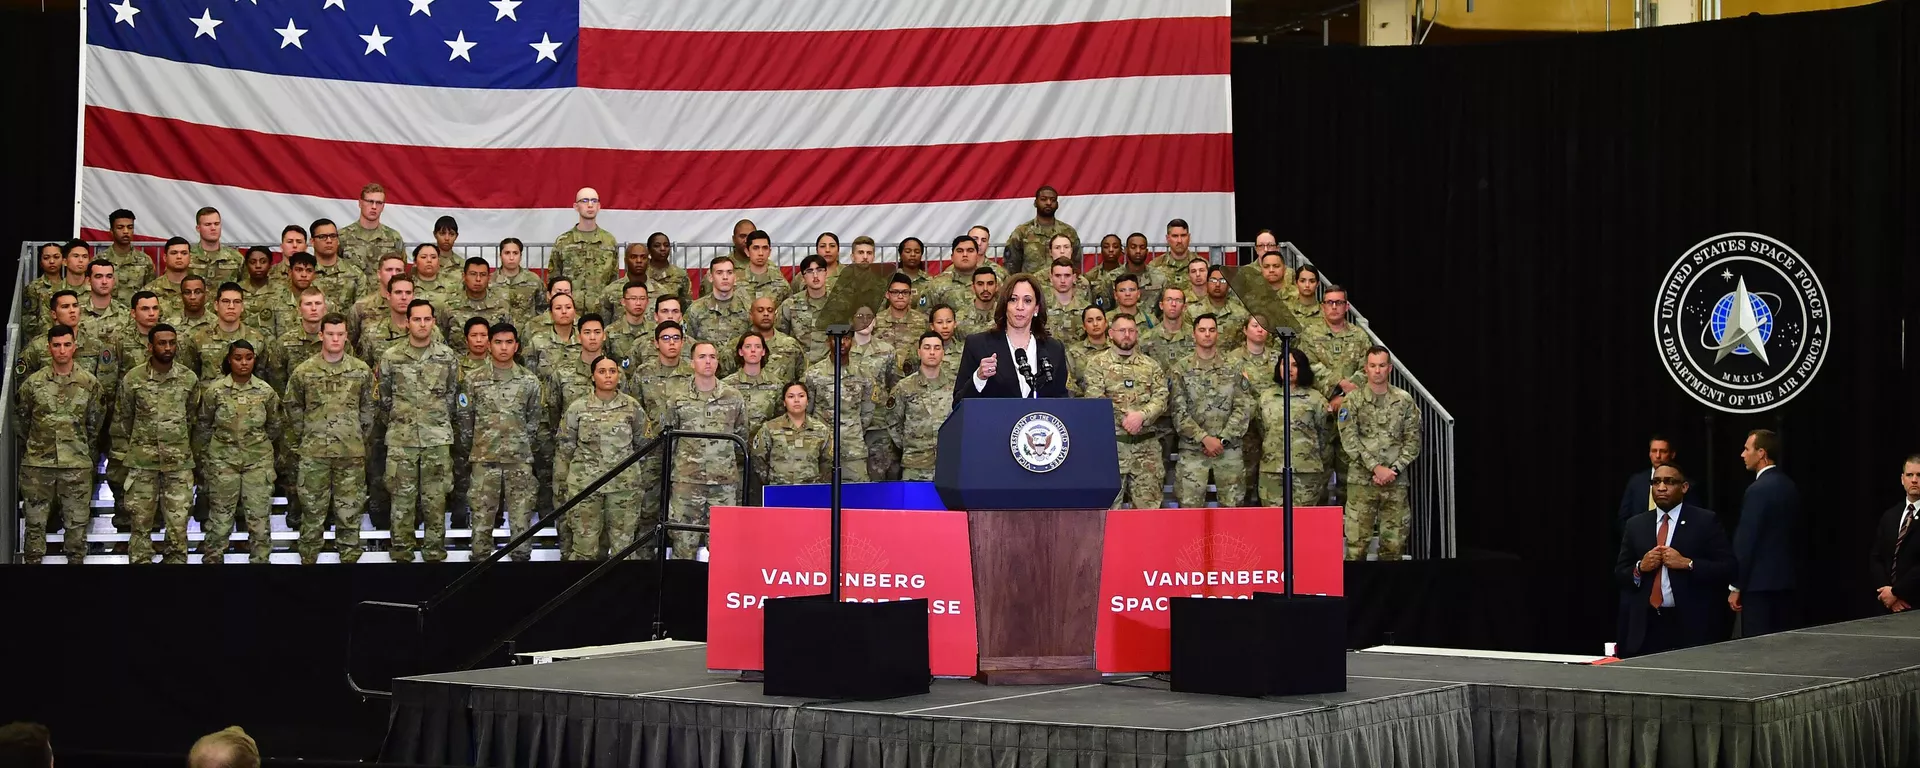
<point>1742,323</point>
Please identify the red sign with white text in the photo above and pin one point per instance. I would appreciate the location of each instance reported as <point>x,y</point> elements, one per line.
<point>756,553</point>
<point>1152,555</point>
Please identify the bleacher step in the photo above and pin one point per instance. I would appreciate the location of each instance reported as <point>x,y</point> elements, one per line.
<point>603,651</point>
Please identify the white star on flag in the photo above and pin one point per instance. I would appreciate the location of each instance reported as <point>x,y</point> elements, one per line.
<point>504,9</point>
<point>291,35</point>
<point>420,6</point>
<point>205,24</point>
<point>460,47</point>
<point>124,11</point>
<point>546,48</point>
<point>376,42</point>
<point>332,3</point>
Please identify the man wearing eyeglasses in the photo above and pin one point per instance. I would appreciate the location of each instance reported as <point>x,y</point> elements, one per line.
<point>899,323</point>
<point>1674,562</point>
<point>366,240</point>
<point>799,314</point>
<point>585,254</point>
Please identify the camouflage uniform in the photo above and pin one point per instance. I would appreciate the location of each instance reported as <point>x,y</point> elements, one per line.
<point>226,265</point>
<point>1027,246</point>
<point>60,418</point>
<point>292,348</point>
<point>419,396</point>
<point>524,289</point>
<point>503,423</point>
<point>1064,319</point>
<point>719,323</point>
<point>762,393</point>
<point>365,247</point>
<point>629,341</point>
<point>873,360</point>
<point>204,350</point>
<point>343,283</point>
<point>1258,371</point>
<point>1231,318</point>
<point>265,304</point>
<point>330,419</point>
<point>922,286</point>
<point>234,445</point>
<point>155,413</point>
<point>1378,430</point>
<point>1152,283</point>
<point>186,326</point>
<point>787,455</point>
<point>970,320</point>
<point>1336,355</point>
<point>544,348</point>
<point>754,286</point>
<point>653,385</point>
<point>381,334</point>
<point>950,288</point>
<point>493,305</point>
<point>1312,432</point>
<point>99,324</point>
<point>799,317</point>
<point>367,310</point>
<point>1305,311</point>
<point>668,280</point>
<point>786,358</point>
<point>589,259</point>
<point>1133,382</point>
<point>920,406</point>
<point>1167,342</point>
<point>33,314</point>
<point>860,400</point>
<point>595,435</point>
<point>903,332</point>
<point>132,269</point>
<point>1078,353</point>
<point>439,289</point>
<point>1210,399</point>
<point>705,472</point>
<point>169,292</point>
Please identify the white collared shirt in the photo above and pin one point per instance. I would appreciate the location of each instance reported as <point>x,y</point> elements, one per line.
<point>1763,470</point>
<point>1026,390</point>
<point>1666,577</point>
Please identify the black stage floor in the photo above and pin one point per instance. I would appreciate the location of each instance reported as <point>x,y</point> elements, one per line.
<point>1839,695</point>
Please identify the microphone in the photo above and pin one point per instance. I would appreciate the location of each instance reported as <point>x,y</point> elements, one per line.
<point>1020,362</point>
<point>1046,369</point>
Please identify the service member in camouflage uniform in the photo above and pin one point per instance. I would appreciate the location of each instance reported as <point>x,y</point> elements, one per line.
<point>1138,388</point>
<point>1380,432</point>
<point>341,280</point>
<point>238,424</point>
<point>1093,341</point>
<point>1303,296</point>
<point>786,358</point>
<point>793,448</point>
<point>1028,245</point>
<point>596,433</point>
<point>720,316</point>
<point>478,345</point>
<point>758,276</point>
<point>630,333</point>
<point>419,397</point>
<point>652,381</point>
<point>330,416</point>
<point>33,311</point>
<point>613,296</point>
<point>1066,298</point>
<point>873,359</point>
<point>921,403</point>
<point>1337,347</point>
<point>59,411</point>
<point>62,309</point>
<point>760,387</point>
<point>1148,281</point>
<point>859,401</point>
<point>525,288</point>
<point>207,348</point>
<point>373,303</point>
<point>171,282</point>
<point>366,240</point>
<point>430,282</point>
<point>502,426</point>
<point>954,286</point>
<point>912,264</point>
<point>154,410</point>
<point>1255,359</point>
<point>976,315</point>
<point>477,299</point>
<point>1228,310</point>
<point>585,254</point>
<point>661,276</point>
<point>133,267</point>
<point>1212,405</point>
<point>705,472</point>
<point>1172,339</point>
<point>900,323</point>
<point>800,313</point>
<point>1311,432</point>
<point>557,341</point>
<point>219,262</point>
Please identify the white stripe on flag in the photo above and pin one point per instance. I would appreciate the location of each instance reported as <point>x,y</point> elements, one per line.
<point>834,15</point>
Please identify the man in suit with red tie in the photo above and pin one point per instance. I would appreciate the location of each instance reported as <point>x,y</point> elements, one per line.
<point>1896,546</point>
<point>1676,561</point>
<point>1764,543</point>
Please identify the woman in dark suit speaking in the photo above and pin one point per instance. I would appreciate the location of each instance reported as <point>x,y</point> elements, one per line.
<point>1018,358</point>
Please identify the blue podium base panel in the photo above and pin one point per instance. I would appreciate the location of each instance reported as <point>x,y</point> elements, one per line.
<point>896,495</point>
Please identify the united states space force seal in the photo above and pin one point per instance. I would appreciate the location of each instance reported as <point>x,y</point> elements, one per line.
<point>1039,442</point>
<point>1742,322</point>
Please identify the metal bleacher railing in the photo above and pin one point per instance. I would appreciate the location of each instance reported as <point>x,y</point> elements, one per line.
<point>1432,477</point>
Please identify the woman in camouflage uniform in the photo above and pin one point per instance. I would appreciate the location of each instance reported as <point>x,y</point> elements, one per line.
<point>1311,431</point>
<point>760,387</point>
<point>234,435</point>
<point>793,448</point>
<point>597,432</point>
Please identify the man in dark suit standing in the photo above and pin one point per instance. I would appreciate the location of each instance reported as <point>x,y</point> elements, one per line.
<point>1896,545</point>
<point>1018,358</point>
<point>1674,562</point>
<point>1764,588</point>
<point>1638,497</point>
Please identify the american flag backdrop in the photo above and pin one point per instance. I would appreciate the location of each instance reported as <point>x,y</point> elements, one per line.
<point>881,117</point>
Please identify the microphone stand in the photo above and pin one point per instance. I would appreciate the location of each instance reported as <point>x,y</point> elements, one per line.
<point>836,335</point>
<point>1286,451</point>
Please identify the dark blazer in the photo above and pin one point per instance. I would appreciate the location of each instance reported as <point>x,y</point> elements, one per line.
<point>1006,376</point>
<point>1904,575</point>
<point>1763,542</point>
<point>1699,595</point>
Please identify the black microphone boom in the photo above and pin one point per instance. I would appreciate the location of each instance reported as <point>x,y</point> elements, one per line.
<point>1026,372</point>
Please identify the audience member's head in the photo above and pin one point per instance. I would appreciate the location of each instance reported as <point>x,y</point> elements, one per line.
<point>229,747</point>
<point>25,745</point>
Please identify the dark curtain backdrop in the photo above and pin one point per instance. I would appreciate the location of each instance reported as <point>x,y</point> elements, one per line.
<point>1503,214</point>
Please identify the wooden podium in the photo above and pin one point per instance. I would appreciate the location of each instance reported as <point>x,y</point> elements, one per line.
<point>1036,478</point>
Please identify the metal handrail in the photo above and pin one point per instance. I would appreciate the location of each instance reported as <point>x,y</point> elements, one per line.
<point>657,535</point>
<point>9,458</point>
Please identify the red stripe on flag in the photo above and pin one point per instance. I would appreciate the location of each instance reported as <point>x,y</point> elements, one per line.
<point>656,180</point>
<point>653,60</point>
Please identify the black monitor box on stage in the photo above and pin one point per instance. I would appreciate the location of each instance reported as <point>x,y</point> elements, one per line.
<point>1271,645</point>
<point>1036,483</point>
<point>818,648</point>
